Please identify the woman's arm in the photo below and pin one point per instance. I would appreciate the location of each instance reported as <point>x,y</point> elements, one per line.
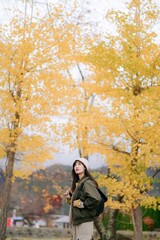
<point>92,196</point>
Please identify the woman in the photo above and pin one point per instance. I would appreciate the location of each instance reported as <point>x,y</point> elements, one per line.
<point>84,198</point>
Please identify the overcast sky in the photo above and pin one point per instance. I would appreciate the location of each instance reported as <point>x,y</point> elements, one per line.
<point>96,10</point>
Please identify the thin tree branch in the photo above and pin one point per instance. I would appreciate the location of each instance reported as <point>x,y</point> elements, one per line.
<point>114,148</point>
<point>129,133</point>
<point>80,71</point>
<point>158,170</point>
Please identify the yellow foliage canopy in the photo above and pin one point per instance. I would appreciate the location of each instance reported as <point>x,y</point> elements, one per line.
<point>33,59</point>
<point>127,74</point>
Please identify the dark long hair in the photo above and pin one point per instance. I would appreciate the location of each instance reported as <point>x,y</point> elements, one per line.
<point>75,177</point>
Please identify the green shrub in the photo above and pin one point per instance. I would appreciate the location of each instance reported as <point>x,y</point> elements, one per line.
<point>124,221</point>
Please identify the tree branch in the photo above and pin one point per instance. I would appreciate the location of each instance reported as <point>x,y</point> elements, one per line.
<point>114,148</point>
<point>158,170</point>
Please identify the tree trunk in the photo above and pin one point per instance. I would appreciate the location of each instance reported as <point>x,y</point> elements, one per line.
<point>6,194</point>
<point>137,223</point>
<point>111,223</point>
<point>100,228</point>
<point>109,234</point>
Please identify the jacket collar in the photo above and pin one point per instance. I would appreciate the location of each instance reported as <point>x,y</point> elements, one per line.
<point>82,180</point>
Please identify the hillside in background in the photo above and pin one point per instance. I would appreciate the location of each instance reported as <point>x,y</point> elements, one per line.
<point>43,191</point>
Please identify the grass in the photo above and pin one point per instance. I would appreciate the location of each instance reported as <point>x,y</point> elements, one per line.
<point>146,235</point>
<point>22,238</point>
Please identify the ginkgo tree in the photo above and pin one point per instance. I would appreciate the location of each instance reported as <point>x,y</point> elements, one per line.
<point>33,56</point>
<point>81,117</point>
<point>127,69</point>
<point>79,110</point>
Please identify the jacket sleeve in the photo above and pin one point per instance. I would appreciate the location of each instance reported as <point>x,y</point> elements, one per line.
<point>92,196</point>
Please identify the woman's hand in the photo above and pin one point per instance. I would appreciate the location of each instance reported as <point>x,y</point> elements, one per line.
<point>67,194</point>
<point>78,203</point>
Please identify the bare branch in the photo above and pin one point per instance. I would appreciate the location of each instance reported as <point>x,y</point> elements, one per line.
<point>80,71</point>
<point>116,149</point>
<point>158,170</point>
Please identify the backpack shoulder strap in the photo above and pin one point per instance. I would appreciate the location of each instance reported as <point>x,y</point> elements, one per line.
<point>103,196</point>
<point>82,183</point>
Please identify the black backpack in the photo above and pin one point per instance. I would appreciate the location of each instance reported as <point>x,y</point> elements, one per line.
<point>100,207</point>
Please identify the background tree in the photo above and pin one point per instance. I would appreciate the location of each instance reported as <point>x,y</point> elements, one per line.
<point>32,83</point>
<point>32,195</point>
<point>82,117</point>
<point>127,70</point>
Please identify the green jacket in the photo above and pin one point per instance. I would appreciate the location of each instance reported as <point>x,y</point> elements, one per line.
<point>91,198</point>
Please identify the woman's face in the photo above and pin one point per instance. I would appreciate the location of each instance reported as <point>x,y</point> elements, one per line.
<point>79,168</point>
